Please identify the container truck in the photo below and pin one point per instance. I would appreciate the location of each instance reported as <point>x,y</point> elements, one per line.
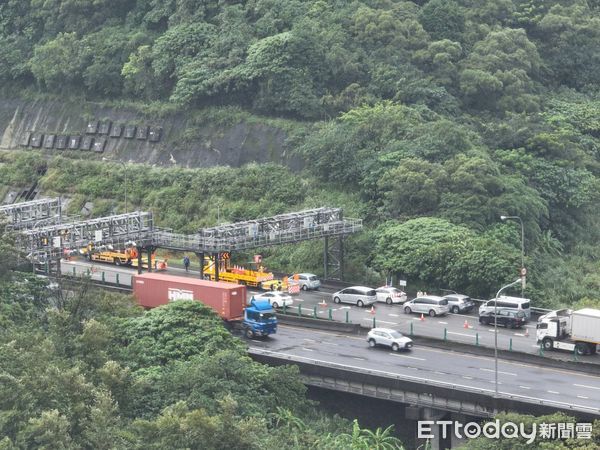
<point>226,299</point>
<point>575,331</point>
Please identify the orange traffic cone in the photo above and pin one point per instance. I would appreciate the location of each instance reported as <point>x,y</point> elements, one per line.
<point>422,317</point>
<point>526,332</point>
<point>372,310</point>
<point>323,303</point>
<point>466,325</point>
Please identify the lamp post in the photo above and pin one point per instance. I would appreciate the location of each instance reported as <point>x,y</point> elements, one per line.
<point>125,169</point>
<point>522,272</point>
<point>496,333</point>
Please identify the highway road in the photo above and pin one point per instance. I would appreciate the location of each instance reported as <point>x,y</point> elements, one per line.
<point>458,327</point>
<point>438,367</point>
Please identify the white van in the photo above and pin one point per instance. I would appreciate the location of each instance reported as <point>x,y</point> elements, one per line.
<point>505,302</point>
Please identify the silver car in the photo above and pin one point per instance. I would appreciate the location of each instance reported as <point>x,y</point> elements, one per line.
<point>389,338</point>
<point>305,281</point>
<point>431,304</point>
<point>356,295</point>
<point>459,303</point>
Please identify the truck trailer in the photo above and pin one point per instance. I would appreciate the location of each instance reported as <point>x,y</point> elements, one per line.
<point>574,331</point>
<point>226,299</point>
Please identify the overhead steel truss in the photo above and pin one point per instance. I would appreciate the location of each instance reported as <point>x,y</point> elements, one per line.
<point>35,213</point>
<point>122,227</point>
<point>281,229</point>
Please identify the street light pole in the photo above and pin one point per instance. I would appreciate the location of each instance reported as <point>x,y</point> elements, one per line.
<point>496,333</point>
<point>125,170</point>
<point>522,248</point>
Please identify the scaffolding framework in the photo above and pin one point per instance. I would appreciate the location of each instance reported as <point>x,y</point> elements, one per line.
<point>282,229</point>
<point>32,214</point>
<point>51,240</point>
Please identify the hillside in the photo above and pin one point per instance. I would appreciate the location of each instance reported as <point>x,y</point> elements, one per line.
<point>427,119</point>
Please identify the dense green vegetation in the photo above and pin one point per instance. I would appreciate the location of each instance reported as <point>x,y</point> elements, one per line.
<point>86,369</point>
<point>429,119</point>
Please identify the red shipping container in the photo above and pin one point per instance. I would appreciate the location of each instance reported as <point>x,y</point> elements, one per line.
<point>155,289</point>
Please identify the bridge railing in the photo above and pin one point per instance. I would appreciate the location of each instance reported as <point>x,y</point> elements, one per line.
<point>443,390</point>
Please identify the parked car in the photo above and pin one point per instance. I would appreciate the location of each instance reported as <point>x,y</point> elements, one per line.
<point>355,295</point>
<point>276,298</point>
<point>506,302</point>
<point>390,295</point>
<point>430,304</point>
<point>389,338</point>
<point>459,303</point>
<point>305,281</point>
<point>505,317</point>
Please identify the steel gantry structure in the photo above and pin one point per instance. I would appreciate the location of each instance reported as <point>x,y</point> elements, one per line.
<point>47,242</point>
<point>35,213</point>
<point>320,223</point>
<point>50,241</point>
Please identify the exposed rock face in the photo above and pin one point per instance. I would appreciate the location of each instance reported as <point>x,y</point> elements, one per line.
<point>180,142</point>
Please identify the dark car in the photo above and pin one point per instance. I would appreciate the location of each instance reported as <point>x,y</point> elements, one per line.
<point>505,317</point>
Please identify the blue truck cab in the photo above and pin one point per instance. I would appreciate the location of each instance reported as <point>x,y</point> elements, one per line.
<point>259,319</point>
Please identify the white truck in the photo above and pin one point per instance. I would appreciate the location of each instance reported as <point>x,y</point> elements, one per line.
<point>577,331</point>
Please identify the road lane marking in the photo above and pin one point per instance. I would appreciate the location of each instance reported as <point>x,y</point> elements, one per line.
<point>582,396</point>
<point>380,321</point>
<point>359,359</point>
<point>345,307</point>
<point>461,334</point>
<point>524,387</point>
<point>406,356</point>
<point>553,392</point>
<point>307,349</point>
<point>393,315</point>
<point>423,379</point>
<point>504,373</point>
<point>519,334</point>
<point>466,377</point>
<point>443,323</point>
<point>440,373</point>
<point>464,355</point>
<point>587,387</point>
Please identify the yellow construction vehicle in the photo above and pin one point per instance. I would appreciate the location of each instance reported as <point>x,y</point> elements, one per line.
<point>126,257</point>
<point>229,272</point>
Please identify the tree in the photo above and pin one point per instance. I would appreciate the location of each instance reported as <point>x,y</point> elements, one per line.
<point>498,73</point>
<point>443,20</point>
<point>58,63</point>
<point>437,253</point>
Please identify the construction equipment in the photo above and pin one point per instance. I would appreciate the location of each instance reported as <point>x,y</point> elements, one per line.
<point>125,257</point>
<point>232,273</point>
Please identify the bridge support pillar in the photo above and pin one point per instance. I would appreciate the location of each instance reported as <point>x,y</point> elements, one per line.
<point>139,258</point>
<point>439,441</point>
<point>217,262</point>
<point>149,251</point>
<point>200,256</point>
<point>454,440</point>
